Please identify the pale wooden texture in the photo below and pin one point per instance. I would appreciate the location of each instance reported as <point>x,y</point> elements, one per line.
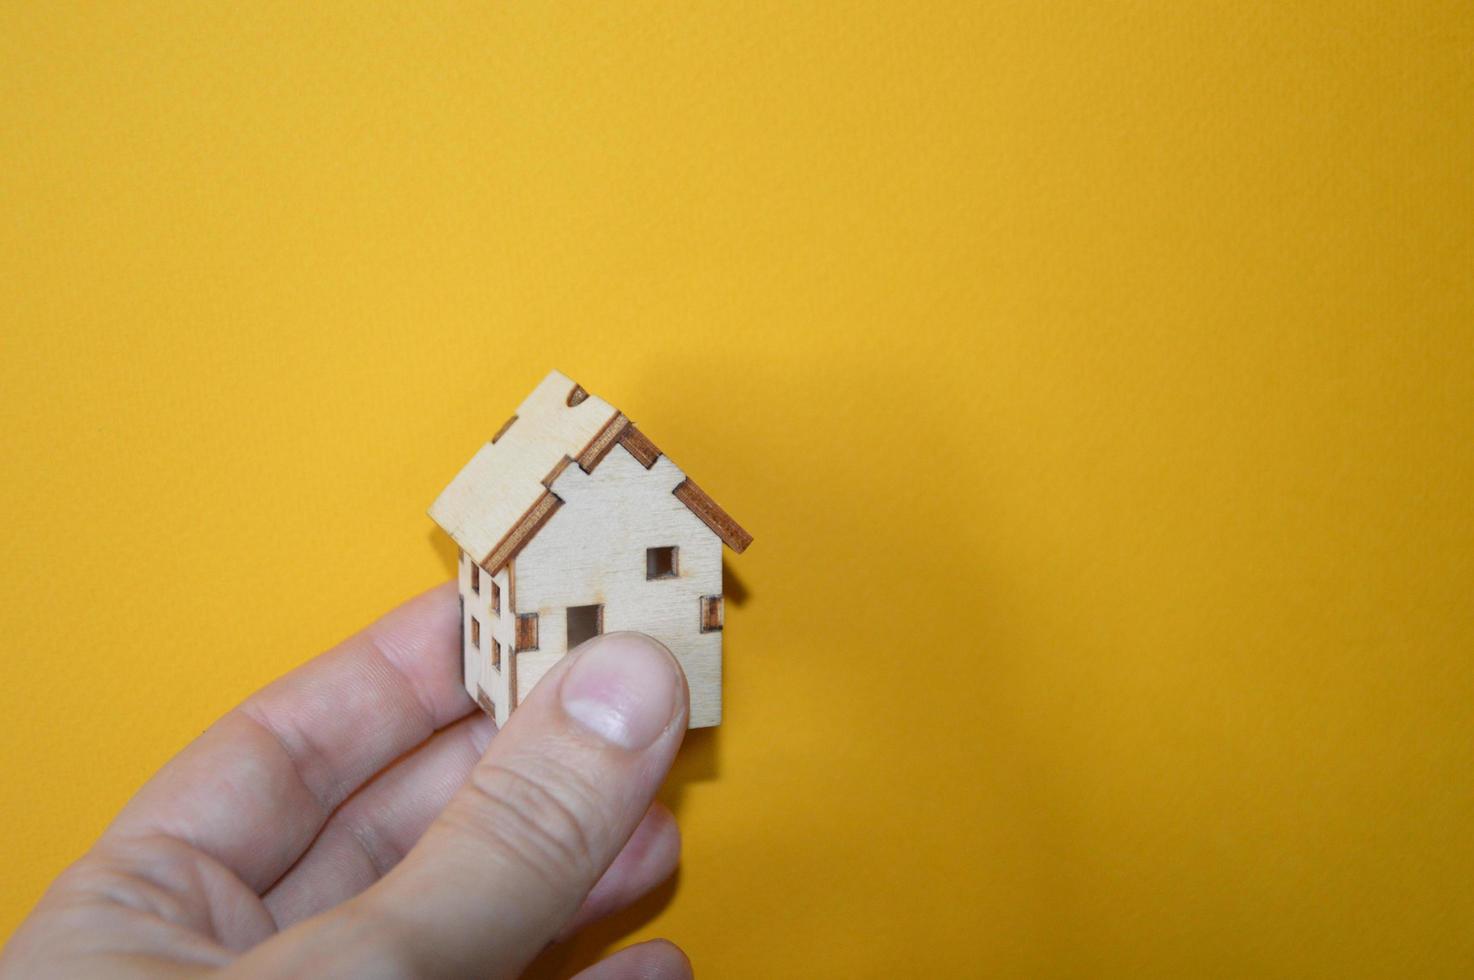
<point>592,551</point>
<point>559,511</point>
<point>502,484</point>
<point>478,673</point>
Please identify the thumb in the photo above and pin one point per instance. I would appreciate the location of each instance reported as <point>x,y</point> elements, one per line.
<point>544,813</point>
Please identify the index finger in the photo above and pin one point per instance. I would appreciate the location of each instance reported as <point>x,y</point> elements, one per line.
<point>254,790</point>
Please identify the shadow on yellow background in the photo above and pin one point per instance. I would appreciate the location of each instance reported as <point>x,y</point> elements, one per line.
<point>1096,381</point>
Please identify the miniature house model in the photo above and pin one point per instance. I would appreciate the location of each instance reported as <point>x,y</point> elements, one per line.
<point>571,523</point>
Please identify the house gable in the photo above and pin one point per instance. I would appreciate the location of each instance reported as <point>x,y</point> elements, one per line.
<point>593,552</point>
<point>507,492</point>
<point>593,549</point>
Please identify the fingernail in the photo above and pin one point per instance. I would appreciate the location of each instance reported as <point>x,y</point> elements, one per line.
<point>623,688</point>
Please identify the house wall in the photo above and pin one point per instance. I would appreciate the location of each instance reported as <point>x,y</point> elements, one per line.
<point>592,550</point>
<point>482,678</point>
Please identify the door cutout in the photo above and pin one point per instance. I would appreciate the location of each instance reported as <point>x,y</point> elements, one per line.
<point>584,623</point>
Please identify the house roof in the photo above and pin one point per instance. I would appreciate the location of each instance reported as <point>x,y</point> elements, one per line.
<point>502,497</point>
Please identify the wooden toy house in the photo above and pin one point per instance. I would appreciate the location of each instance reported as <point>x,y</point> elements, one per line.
<point>571,523</point>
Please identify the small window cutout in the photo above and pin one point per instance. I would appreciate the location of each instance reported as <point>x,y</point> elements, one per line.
<point>496,654</point>
<point>475,632</point>
<point>711,614</point>
<point>462,600</point>
<point>584,623</point>
<point>526,637</point>
<point>660,562</point>
<point>496,598</point>
<point>476,579</point>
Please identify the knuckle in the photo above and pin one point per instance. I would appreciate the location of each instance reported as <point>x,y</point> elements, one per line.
<point>380,852</point>
<point>542,820</point>
<point>156,875</point>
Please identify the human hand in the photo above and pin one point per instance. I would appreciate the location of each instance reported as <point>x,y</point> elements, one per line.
<point>357,818</point>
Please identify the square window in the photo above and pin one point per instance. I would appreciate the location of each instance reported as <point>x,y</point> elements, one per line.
<point>661,562</point>
<point>476,579</point>
<point>496,598</point>
<point>584,623</point>
<point>475,632</point>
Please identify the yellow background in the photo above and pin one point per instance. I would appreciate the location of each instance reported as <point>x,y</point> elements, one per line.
<point>1097,379</point>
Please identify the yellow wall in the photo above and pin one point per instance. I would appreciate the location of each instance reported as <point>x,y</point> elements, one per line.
<point>1098,380</point>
